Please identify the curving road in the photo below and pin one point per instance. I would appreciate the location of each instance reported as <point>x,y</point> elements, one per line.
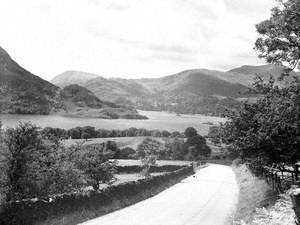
<point>207,198</point>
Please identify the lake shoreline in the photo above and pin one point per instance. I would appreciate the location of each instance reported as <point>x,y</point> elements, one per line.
<point>156,120</point>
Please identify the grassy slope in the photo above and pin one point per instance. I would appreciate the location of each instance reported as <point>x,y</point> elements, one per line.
<point>254,193</point>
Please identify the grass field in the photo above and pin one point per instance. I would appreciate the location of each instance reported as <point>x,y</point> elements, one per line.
<point>122,142</point>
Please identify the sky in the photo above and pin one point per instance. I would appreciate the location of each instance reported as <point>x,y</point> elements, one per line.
<point>131,38</point>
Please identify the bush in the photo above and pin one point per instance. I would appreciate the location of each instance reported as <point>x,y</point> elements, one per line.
<point>148,152</point>
<point>127,153</point>
<point>96,164</point>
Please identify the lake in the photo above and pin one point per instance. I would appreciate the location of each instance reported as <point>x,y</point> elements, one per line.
<point>157,120</point>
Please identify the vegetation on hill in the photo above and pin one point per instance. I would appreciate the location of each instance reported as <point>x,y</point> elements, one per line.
<point>23,92</point>
<point>80,96</point>
<point>192,91</point>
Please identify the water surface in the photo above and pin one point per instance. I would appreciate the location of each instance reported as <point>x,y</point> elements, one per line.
<point>157,120</point>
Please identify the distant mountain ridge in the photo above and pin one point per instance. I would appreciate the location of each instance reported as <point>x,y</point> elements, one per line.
<point>72,77</point>
<point>191,91</point>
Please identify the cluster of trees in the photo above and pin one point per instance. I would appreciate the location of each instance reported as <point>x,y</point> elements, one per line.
<point>192,147</point>
<point>34,165</point>
<point>267,132</point>
<point>91,132</point>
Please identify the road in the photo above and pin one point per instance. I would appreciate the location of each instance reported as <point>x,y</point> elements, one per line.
<point>207,198</point>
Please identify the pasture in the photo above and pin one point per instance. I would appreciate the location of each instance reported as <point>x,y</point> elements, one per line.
<point>122,142</point>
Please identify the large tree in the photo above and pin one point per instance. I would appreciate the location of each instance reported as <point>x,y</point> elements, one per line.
<point>268,131</point>
<point>148,152</point>
<point>279,42</point>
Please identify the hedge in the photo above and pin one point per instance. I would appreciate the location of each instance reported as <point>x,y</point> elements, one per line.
<point>30,212</point>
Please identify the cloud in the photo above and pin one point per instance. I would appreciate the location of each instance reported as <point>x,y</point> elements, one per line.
<point>129,37</point>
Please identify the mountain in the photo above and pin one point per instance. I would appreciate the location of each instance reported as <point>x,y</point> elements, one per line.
<point>198,82</point>
<point>191,91</point>
<point>23,92</point>
<point>79,101</point>
<point>72,77</point>
<point>247,73</point>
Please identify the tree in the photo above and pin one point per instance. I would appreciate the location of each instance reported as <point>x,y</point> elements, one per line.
<point>96,164</point>
<point>190,132</point>
<point>3,168</point>
<point>196,147</point>
<point>267,132</point>
<point>33,166</point>
<point>85,135</point>
<point>112,147</point>
<point>75,133</point>
<point>127,153</point>
<point>148,152</point>
<point>175,134</point>
<point>175,148</point>
<point>213,134</point>
<point>21,142</point>
<point>280,35</point>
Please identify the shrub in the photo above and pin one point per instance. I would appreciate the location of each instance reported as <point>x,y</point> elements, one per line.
<point>95,163</point>
<point>148,152</point>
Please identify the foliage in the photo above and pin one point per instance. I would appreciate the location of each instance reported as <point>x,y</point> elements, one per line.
<point>196,148</point>
<point>267,130</point>
<point>148,152</point>
<point>91,132</point>
<point>22,143</point>
<point>127,153</point>
<point>190,132</point>
<point>195,145</point>
<point>3,168</point>
<point>213,134</point>
<point>96,164</point>
<point>34,166</point>
<point>280,35</point>
<point>175,148</point>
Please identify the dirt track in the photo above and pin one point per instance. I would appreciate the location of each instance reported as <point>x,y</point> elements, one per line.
<point>207,198</point>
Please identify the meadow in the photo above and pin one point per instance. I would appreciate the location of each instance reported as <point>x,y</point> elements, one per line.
<point>122,142</point>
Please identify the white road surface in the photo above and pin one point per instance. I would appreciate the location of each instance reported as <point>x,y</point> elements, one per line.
<point>207,198</point>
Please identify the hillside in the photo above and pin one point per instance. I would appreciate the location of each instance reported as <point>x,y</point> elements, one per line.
<point>72,77</point>
<point>191,91</point>
<point>79,101</point>
<point>246,73</point>
<point>23,92</point>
